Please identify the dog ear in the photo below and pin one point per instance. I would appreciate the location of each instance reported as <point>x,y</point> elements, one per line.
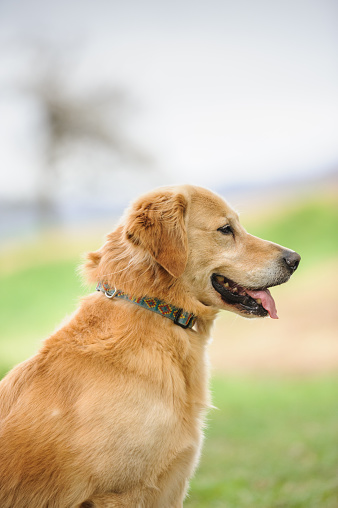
<point>158,226</point>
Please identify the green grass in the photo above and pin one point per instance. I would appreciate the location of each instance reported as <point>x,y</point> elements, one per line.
<point>271,444</point>
<point>33,301</point>
<point>309,227</point>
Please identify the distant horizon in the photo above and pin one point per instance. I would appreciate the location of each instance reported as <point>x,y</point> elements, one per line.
<point>283,181</point>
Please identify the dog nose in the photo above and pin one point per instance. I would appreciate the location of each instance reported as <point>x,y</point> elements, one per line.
<point>291,259</point>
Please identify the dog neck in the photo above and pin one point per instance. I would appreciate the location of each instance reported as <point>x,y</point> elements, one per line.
<point>124,266</point>
<point>180,317</point>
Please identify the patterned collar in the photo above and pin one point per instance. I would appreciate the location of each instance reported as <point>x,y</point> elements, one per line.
<point>177,315</point>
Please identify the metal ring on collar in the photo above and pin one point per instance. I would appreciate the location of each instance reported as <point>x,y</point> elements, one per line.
<point>110,294</point>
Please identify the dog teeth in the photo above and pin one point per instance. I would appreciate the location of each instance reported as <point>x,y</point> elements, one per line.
<point>226,285</point>
<point>235,290</point>
<point>258,300</point>
<point>220,279</point>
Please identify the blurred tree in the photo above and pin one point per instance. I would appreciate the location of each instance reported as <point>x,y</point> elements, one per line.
<point>74,120</point>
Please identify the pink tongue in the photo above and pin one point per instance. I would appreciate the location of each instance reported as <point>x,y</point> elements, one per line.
<point>267,301</point>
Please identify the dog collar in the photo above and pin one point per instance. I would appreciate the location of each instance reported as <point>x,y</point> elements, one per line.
<point>177,315</point>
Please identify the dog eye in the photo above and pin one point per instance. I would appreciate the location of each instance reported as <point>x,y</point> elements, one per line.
<point>226,230</point>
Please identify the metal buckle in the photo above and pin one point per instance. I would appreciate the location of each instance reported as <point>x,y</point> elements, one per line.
<point>109,293</point>
<point>177,317</point>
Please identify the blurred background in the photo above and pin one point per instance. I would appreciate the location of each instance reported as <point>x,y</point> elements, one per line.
<point>101,101</point>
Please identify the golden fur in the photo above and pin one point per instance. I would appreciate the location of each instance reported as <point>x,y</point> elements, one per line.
<point>109,413</point>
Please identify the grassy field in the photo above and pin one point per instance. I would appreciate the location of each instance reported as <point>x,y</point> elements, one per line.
<point>270,444</point>
<point>273,442</point>
<point>308,226</point>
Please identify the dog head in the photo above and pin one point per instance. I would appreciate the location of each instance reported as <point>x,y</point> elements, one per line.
<point>186,243</point>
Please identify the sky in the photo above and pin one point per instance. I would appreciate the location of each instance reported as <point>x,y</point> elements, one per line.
<point>225,91</point>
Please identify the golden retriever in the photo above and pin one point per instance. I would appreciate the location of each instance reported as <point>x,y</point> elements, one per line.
<point>109,412</point>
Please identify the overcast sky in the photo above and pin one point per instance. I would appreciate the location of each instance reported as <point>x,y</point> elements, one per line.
<point>226,91</point>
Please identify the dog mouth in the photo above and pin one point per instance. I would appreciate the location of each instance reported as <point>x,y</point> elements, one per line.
<point>257,302</point>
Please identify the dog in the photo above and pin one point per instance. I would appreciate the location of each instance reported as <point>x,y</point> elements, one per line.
<point>110,411</point>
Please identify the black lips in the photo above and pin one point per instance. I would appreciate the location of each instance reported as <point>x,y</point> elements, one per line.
<point>243,302</point>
